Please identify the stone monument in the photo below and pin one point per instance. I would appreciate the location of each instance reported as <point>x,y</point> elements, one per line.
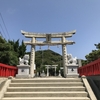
<point>23,67</point>
<point>72,66</point>
<point>43,74</point>
<point>59,73</point>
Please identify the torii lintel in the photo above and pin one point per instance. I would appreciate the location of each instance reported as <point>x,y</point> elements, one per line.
<point>43,35</point>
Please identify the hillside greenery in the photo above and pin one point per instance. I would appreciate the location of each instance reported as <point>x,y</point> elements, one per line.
<point>47,57</point>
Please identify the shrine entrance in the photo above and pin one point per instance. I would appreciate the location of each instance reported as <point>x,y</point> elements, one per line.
<point>51,70</point>
<point>48,36</point>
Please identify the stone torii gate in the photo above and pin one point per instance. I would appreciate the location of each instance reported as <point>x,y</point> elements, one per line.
<point>51,66</point>
<point>48,41</point>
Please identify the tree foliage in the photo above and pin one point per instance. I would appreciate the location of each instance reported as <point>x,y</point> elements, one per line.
<point>10,51</point>
<point>93,55</point>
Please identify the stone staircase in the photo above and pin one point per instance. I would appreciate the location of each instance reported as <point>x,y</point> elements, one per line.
<point>46,89</point>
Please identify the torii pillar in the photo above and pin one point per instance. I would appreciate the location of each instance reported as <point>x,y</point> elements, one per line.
<point>32,60</point>
<point>64,54</point>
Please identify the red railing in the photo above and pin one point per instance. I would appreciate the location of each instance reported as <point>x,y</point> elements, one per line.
<point>90,69</point>
<point>7,70</point>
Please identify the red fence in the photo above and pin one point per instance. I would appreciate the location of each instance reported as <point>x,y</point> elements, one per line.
<point>6,70</point>
<point>90,69</point>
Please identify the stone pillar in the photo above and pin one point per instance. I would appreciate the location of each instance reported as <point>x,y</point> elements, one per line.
<point>79,62</point>
<point>64,53</point>
<point>55,70</point>
<point>59,73</point>
<point>32,61</point>
<point>47,70</point>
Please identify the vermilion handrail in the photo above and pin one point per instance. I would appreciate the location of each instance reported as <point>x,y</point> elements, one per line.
<point>90,69</point>
<point>7,70</point>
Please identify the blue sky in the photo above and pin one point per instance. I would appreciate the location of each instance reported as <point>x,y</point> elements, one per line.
<point>54,16</point>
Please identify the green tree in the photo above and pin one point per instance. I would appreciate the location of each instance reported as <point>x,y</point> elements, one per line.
<point>7,55</point>
<point>19,49</point>
<point>93,55</point>
<point>10,51</point>
<point>97,46</point>
<point>22,49</point>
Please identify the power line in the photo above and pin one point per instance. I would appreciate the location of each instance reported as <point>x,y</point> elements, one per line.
<point>3,30</point>
<point>4,25</point>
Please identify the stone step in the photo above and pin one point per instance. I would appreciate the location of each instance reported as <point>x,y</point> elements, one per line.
<point>60,84</point>
<point>46,94</point>
<point>46,89</point>
<point>46,80</point>
<point>43,89</point>
<point>46,98</point>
